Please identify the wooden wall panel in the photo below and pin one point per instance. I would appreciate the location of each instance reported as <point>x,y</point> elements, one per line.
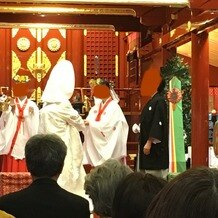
<point>101,48</point>
<point>5,57</point>
<point>20,62</point>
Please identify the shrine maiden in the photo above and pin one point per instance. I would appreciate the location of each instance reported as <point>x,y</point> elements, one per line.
<point>106,129</point>
<point>17,124</point>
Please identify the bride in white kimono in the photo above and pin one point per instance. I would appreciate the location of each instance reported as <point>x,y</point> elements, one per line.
<point>106,129</point>
<point>58,116</point>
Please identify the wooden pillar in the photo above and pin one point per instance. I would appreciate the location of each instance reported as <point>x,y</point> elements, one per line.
<point>122,60</point>
<point>200,84</point>
<point>123,80</point>
<point>75,50</point>
<point>5,58</point>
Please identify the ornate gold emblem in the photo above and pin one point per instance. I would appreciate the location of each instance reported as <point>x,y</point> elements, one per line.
<point>54,44</point>
<point>23,44</point>
<point>16,64</point>
<point>41,68</point>
<point>4,102</point>
<point>21,78</point>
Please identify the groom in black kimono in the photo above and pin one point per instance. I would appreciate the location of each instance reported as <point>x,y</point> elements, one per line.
<point>153,138</point>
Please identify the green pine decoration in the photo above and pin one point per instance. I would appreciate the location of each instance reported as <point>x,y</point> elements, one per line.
<point>176,67</point>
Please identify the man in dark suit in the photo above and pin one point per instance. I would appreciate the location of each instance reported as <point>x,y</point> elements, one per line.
<point>44,198</point>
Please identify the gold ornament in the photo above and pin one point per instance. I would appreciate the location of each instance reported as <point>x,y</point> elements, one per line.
<point>4,102</point>
<point>39,70</point>
<point>54,44</point>
<point>23,44</point>
<point>16,64</point>
<point>21,78</point>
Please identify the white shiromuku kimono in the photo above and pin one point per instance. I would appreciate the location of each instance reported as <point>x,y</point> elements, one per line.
<point>107,137</point>
<point>63,120</point>
<point>17,127</point>
<point>58,116</point>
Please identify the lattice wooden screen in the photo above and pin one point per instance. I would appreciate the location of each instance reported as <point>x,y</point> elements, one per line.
<point>101,48</point>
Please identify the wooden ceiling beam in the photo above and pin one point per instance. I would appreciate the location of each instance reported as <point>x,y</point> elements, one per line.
<point>147,16</point>
<point>183,16</point>
<point>154,17</point>
<point>204,4</point>
<point>175,38</point>
<point>166,17</point>
<point>204,16</point>
<point>121,23</point>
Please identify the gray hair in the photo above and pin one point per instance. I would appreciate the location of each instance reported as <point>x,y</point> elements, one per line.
<point>101,183</point>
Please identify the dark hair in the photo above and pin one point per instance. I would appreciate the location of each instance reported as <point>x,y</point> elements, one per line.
<point>45,154</point>
<point>105,82</point>
<point>161,86</point>
<point>100,81</point>
<point>191,194</point>
<point>134,194</point>
<point>101,183</point>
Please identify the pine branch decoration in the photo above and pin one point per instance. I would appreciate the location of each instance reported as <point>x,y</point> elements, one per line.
<point>176,67</point>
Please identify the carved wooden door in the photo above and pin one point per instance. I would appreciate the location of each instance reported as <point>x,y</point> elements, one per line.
<point>34,52</point>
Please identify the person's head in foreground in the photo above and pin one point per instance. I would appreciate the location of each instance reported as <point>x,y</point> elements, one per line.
<point>45,154</point>
<point>101,184</point>
<point>191,194</point>
<point>134,194</point>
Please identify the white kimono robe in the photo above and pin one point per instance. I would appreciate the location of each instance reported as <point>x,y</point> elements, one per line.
<point>106,138</point>
<point>28,128</point>
<point>63,120</point>
<point>58,116</point>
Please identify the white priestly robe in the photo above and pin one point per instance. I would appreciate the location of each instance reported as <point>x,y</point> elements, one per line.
<point>28,128</point>
<point>106,138</point>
